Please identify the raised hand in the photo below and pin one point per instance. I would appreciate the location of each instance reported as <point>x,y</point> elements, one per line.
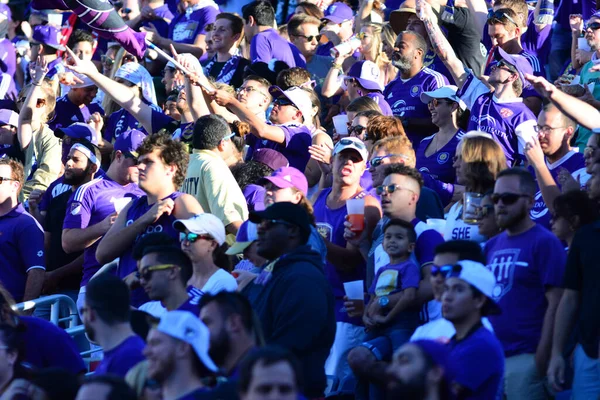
<point>576,23</point>
<point>41,69</point>
<point>83,67</point>
<point>541,85</point>
<point>534,152</point>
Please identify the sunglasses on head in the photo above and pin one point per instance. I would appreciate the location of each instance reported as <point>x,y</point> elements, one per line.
<point>376,161</point>
<point>499,16</point>
<point>192,237</point>
<point>507,198</point>
<point>146,273</point>
<point>444,269</point>
<point>390,189</point>
<point>348,142</point>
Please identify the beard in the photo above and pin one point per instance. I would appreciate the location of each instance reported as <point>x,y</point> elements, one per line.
<point>403,63</point>
<point>413,390</point>
<point>507,221</point>
<point>220,347</point>
<point>78,178</point>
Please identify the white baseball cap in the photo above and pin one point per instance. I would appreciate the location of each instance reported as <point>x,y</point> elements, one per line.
<point>444,92</point>
<point>479,276</point>
<point>203,224</point>
<point>86,81</point>
<point>184,326</point>
<point>352,143</point>
<point>9,117</point>
<point>299,97</point>
<point>366,73</point>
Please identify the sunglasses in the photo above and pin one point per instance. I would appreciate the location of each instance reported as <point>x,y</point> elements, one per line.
<point>593,26</point>
<point>281,102</point>
<point>390,189</point>
<point>507,198</point>
<point>356,130</point>
<point>348,142</point>
<point>146,273</point>
<point>376,161</point>
<point>498,16</point>
<point>437,102</point>
<point>249,89</point>
<point>107,60</point>
<point>269,223</point>
<point>444,269</point>
<point>453,270</point>
<point>505,66</point>
<point>193,237</point>
<point>350,81</point>
<point>2,179</point>
<point>310,38</point>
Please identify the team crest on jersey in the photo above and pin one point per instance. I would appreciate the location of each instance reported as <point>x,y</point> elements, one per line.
<point>324,230</point>
<point>442,158</point>
<point>505,112</point>
<point>503,266</point>
<point>75,208</point>
<point>539,208</point>
<point>414,91</point>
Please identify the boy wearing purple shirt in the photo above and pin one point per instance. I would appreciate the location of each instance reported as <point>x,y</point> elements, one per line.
<point>76,105</point>
<point>528,263</point>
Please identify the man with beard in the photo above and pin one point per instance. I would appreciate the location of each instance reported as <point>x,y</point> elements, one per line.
<point>420,370</point>
<point>177,353</point>
<point>94,206</point>
<point>500,113</point>
<point>105,314</point>
<point>528,262</point>
<point>230,319</point>
<point>403,93</point>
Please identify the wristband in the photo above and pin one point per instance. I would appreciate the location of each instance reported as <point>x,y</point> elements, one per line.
<point>336,66</point>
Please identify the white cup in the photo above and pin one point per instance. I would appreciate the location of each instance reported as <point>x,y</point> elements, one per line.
<point>340,124</point>
<point>582,44</point>
<point>354,290</point>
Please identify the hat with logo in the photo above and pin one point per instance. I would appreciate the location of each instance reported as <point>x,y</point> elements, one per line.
<point>187,327</point>
<point>244,238</point>
<point>366,73</point>
<point>284,211</point>
<point>352,143</point>
<point>129,141</point>
<point>479,276</point>
<point>203,224</point>
<point>299,97</point>
<point>399,18</point>
<point>271,158</point>
<point>520,63</point>
<point>78,130</point>
<point>287,177</point>
<point>48,35</point>
<point>338,13</point>
<point>9,117</point>
<point>444,92</point>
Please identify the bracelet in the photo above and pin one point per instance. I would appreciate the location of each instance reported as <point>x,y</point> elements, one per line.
<point>336,66</point>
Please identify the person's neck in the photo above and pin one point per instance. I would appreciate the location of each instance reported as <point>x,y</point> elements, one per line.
<point>49,57</point>
<point>448,129</point>
<point>552,158</point>
<point>6,380</point>
<point>308,57</point>
<point>112,174</point>
<point>512,46</point>
<point>186,117</point>
<point>176,297</point>
<point>407,215</point>
<point>520,227</point>
<point>414,69</point>
<point>369,57</point>
<point>202,271</point>
<point>165,191</point>
<point>239,348</point>
<point>504,91</point>
<point>8,205</point>
<point>264,28</point>
<point>74,101</point>
<point>113,335</point>
<point>224,55</point>
<point>464,326</point>
<point>341,193</point>
<point>569,240</point>
<point>181,381</point>
<point>399,259</point>
<point>87,179</point>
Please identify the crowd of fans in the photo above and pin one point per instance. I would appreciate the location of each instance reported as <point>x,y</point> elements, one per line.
<point>361,199</point>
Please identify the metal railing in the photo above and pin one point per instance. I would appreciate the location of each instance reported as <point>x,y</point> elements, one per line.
<point>55,301</point>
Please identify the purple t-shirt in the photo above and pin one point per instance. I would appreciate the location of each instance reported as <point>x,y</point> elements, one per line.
<point>572,162</point>
<point>121,121</point>
<point>121,359</point>
<point>185,27</point>
<point>537,43</point>
<point>268,45</point>
<point>404,97</point>
<point>90,204</point>
<point>509,122</point>
<point>380,100</point>
<point>21,249</point>
<point>330,224</point>
<point>47,345</point>
<point>524,265</point>
<point>162,26</point>
<point>297,140</point>
<point>127,264</point>
<point>55,189</point>
<point>439,164</point>
<point>66,113</point>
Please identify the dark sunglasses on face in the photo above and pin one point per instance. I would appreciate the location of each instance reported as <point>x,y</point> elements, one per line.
<point>484,211</point>
<point>593,26</point>
<point>311,38</point>
<point>444,269</point>
<point>146,273</point>
<point>507,198</point>
<point>356,130</point>
<point>107,60</point>
<point>193,237</point>
<point>499,16</point>
<point>453,270</point>
<point>282,101</point>
<point>389,189</point>
<point>505,66</point>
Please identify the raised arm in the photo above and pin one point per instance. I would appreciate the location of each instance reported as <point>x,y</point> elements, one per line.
<point>26,116</point>
<point>479,10</point>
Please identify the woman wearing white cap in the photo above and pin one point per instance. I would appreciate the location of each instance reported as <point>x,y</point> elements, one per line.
<point>203,240</point>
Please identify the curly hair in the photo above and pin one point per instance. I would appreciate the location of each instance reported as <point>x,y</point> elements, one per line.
<point>241,129</point>
<point>250,172</point>
<point>172,152</point>
<point>381,126</point>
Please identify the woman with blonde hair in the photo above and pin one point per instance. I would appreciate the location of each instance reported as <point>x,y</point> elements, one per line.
<point>371,49</point>
<point>478,161</point>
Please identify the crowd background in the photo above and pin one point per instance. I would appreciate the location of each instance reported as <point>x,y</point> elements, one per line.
<point>298,200</point>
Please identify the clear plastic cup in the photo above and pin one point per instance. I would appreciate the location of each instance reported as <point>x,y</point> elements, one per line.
<point>354,290</point>
<point>471,205</point>
<point>356,214</point>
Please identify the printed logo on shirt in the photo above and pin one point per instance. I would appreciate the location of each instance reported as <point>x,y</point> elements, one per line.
<point>414,91</point>
<point>442,158</point>
<point>325,230</point>
<point>398,103</point>
<point>506,113</point>
<point>503,266</point>
<point>184,30</point>
<point>539,207</point>
<point>74,118</point>
<point>387,282</point>
<point>75,208</point>
<point>40,253</point>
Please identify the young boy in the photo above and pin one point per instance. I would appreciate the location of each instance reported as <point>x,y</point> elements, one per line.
<point>391,316</point>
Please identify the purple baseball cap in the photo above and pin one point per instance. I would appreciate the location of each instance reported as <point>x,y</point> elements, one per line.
<point>338,13</point>
<point>5,10</point>
<point>48,36</point>
<point>129,141</point>
<point>9,117</point>
<point>271,158</point>
<point>244,238</point>
<point>287,177</point>
<point>366,73</point>
<point>520,63</point>
<point>78,130</point>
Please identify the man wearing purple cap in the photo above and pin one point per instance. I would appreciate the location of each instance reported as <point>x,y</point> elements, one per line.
<point>265,42</point>
<point>45,41</point>
<point>76,105</point>
<point>339,27</point>
<point>94,207</point>
<point>502,113</point>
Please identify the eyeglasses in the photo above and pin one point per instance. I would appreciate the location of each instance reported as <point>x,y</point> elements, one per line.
<point>193,237</point>
<point>437,102</point>
<point>348,142</point>
<point>363,35</point>
<point>453,270</point>
<point>350,81</point>
<point>356,130</point>
<point>544,129</point>
<point>507,198</point>
<point>498,16</point>
<point>228,136</point>
<point>282,101</point>
<point>107,60</point>
<point>444,269</point>
<point>269,223</point>
<point>128,58</point>
<point>390,189</point>
<point>505,66</point>
<point>2,179</point>
<point>310,38</point>
<point>593,26</point>
<point>376,161</point>
<point>146,273</point>
<point>249,89</point>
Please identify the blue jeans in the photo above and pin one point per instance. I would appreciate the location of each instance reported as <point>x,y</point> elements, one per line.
<point>586,382</point>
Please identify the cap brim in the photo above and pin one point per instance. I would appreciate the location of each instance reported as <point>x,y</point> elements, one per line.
<point>237,248</point>
<point>399,19</point>
<point>369,85</point>
<point>183,224</point>
<point>258,216</point>
<point>334,19</point>
<point>277,181</point>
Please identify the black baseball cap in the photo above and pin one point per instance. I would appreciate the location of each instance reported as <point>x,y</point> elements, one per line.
<point>284,211</point>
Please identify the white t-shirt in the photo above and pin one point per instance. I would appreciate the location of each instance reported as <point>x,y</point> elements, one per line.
<point>456,228</point>
<point>441,329</point>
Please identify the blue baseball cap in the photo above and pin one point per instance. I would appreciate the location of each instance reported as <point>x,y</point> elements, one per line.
<point>244,238</point>
<point>48,36</point>
<point>338,13</point>
<point>520,63</point>
<point>129,141</point>
<point>78,130</point>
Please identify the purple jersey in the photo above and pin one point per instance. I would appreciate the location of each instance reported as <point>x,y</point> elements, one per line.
<point>537,43</point>
<point>524,265</point>
<point>121,359</point>
<point>572,162</point>
<point>121,121</point>
<point>54,68</point>
<point>90,204</point>
<point>66,113</point>
<point>127,264</point>
<point>439,164</point>
<point>268,45</point>
<point>185,27</point>
<point>163,15</point>
<point>21,249</point>
<point>509,122</point>
<point>404,96</point>
<point>295,148</point>
<point>330,224</point>
<point>380,100</point>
